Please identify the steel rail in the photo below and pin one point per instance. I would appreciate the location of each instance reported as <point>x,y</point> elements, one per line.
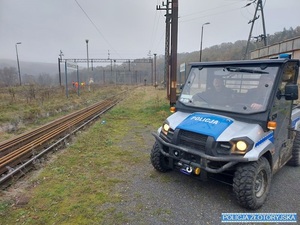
<point>38,138</point>
<point>30,161</point>
<point>13,143</point>
<point>13,156</point>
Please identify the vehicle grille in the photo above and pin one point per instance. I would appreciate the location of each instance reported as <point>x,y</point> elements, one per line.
<point>192,140</point>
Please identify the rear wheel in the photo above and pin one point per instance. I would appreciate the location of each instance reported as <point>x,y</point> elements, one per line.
<point>295,160</point>
<point>251,183</point>
<point>158,160</point>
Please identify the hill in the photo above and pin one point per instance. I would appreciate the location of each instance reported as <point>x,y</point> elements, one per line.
<point>226,51</point>
<point>31,68</point>
<point>221,52</point>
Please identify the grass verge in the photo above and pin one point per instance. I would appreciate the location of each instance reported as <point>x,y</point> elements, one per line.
<point>78,185</point>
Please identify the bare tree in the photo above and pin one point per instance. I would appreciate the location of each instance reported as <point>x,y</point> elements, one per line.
<point>44,79</point>
<point>8,76</point>
<point>29,79</point>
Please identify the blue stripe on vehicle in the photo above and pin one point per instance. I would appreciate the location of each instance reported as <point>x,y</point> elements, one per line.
<point>270,137</point>
<point>295,121</point>
<point>207,124</point>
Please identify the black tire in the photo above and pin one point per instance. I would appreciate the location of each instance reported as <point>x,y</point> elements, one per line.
<point>251,183</point>
<point>158,160</point>
<point>295,160</point>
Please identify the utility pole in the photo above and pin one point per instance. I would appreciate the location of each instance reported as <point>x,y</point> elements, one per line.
<point>59,70</point>
<point>87,53</point>
<point>155,81</point>
<point>174,35</point>
<point>167,44</point>
<point>19,71</point>
<point>150,55</point>
<point>259,6</point>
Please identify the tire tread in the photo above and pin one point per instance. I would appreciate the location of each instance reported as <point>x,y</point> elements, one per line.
<point>157,159</point>
<point>295,160</point>
<point>244,181</point>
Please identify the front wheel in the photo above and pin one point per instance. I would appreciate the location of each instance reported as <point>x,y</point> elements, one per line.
<point>158,160</point>
<point>251,183</point>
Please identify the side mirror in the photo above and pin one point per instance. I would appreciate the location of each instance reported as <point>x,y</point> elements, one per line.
<point>291,92</point>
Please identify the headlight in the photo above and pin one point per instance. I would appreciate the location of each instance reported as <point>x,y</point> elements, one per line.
<point>241,145</point>
<point>166,131</point>
<point>165,128</point>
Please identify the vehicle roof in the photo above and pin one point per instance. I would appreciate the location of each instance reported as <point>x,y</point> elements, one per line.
<point>242,62</point>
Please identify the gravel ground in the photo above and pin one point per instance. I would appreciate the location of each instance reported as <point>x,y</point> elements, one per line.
<point>150,197</point>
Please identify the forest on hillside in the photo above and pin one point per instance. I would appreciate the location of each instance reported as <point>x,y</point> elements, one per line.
<point>141,72</point>
<point>236,50</point>
<point>230,51</point>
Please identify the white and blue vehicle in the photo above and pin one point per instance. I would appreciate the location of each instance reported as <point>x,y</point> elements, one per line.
<point>248,127</point>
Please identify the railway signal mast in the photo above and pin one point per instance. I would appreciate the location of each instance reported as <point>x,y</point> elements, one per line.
<point>263,36</point>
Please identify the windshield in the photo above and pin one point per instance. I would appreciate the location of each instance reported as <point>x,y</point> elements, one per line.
<point>238,89</point>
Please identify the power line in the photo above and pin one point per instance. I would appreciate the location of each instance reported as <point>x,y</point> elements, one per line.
<point>95,26</point>
<point>207,10</point>
<point>154,29</point>
<point>223,12</point>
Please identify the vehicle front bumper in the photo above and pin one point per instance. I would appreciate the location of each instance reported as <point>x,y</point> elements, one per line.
<point>229,160</point>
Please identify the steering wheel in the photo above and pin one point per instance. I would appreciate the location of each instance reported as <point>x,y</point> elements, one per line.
<point>242,106</point>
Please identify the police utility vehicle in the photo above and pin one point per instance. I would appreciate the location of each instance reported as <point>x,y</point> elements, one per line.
<point>234,117</point>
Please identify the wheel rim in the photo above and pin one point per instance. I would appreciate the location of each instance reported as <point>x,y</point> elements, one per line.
<point>260,183</point>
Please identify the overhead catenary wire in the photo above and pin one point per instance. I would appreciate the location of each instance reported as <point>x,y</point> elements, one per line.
<point>96,27</point>
<point>155,29</point>
<point>185,18</point>
<point>159,36</point>
<point>159,43</point>
<point>208,15</point>
<point>206,10</point>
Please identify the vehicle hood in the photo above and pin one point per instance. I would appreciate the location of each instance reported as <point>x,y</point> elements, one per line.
<point>220,127</point>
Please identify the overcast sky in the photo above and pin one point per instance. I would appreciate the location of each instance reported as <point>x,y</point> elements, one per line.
<point>128,29</point>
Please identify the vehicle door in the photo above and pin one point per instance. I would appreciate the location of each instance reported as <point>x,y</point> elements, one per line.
<point>281,113</point>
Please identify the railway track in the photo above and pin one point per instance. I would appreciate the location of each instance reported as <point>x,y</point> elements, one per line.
<point>19,152</point>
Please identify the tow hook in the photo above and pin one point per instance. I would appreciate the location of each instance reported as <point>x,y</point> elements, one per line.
<point>187,170</point>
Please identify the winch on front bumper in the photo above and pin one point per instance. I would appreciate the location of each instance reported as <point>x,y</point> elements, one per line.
<point>191,156</point>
